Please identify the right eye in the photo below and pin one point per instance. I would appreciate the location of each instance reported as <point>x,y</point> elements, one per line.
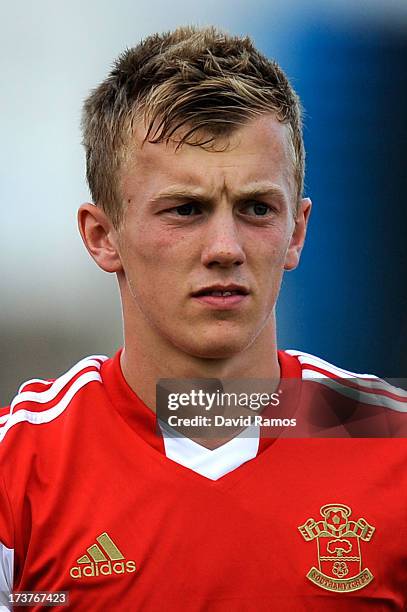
<point>186,210</point>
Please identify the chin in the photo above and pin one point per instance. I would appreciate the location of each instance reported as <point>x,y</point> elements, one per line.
<point>217,347</point>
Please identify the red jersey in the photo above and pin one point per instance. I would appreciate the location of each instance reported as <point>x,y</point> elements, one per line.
<point>92,505</point>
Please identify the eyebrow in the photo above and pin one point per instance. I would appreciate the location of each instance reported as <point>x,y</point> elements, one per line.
<point>180,194</point>
<point>255,191</point>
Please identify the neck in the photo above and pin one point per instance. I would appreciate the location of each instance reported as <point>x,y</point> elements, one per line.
<point>146,358</point>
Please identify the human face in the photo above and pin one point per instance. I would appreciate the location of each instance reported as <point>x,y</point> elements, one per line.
<point>206,236</point>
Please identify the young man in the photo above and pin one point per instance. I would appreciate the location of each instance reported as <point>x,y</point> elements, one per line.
<point>195,162</point>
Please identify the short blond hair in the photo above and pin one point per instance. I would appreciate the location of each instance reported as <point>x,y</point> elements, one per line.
<point>202,80</point>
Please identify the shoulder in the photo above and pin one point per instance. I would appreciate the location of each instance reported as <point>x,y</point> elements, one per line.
<point>363,388</point>
<point>312,363</point>
<point>42,401</point>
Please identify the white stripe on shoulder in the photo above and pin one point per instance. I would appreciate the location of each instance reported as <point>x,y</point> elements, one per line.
<point>367,388</point>
<point>364,380</point>
<point>34,381</point>
<point>313,360</point>
<point>47,415</point>
<point>48,395</point>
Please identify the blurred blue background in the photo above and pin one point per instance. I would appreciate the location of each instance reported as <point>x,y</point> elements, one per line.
<point>348,61</point>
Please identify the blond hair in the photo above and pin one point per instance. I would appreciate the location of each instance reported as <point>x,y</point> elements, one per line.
<point>200,79</point>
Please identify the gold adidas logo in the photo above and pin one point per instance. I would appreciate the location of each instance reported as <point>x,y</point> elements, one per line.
<point>96,563</point>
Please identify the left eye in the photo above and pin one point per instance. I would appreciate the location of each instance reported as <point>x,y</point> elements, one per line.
<point>258,209</point>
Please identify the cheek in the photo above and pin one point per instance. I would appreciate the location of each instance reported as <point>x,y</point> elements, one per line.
<point>145,247</point>
<point>268,267</point>
<point>166,254</point>
<point>268,254</point>
<point>154,264</point>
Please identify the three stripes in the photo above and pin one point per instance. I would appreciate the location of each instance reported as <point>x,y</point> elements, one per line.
<point>28,404</point>
<point>96,553</point>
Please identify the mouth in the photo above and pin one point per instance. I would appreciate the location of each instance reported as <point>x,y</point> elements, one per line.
<point>221,291</point>
<point>222,297</point>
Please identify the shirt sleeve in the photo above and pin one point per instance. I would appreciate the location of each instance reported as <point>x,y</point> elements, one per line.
<point>6,549</point>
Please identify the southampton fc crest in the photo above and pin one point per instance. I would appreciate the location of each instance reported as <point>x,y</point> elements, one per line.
<point>338,547</point>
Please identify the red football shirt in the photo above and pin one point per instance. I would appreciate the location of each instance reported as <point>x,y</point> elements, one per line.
<point>91,505</point>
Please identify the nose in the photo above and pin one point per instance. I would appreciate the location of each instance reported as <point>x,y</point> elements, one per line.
<point>222,244</point>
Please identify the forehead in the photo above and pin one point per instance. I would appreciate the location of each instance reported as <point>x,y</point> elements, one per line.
<point>259,152</point>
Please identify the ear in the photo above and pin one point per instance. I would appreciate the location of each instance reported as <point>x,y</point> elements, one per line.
<point>293,254</point>
<point>99,237</point>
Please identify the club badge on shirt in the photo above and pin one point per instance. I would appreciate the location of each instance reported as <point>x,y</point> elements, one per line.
<point>338,549</point>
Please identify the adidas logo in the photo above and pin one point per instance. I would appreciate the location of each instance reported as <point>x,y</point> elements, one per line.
<point>102,560</point>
